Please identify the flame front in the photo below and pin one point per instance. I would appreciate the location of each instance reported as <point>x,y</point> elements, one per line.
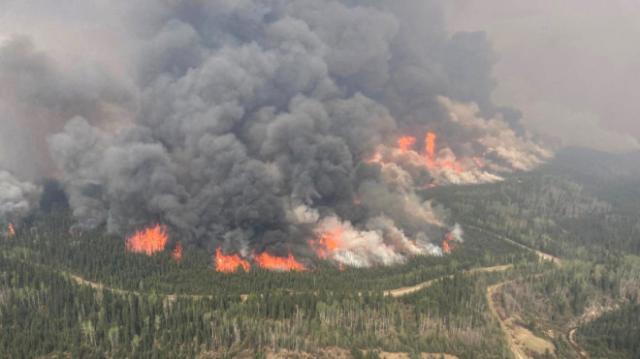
<point>447,244</point>
<point>406,143</point>
<point>443,164</point>
<point>430,143</point>
<point>327,243</point>
<point>432,159</point>
<point>177,252</point>
<point>230,263</point>
<point>148,241</point>
<point>290,263</point>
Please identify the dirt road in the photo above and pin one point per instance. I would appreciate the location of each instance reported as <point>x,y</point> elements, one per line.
<point>100,286</point>
<point>517,336</point>
<point>518,353</point>
<point>571,337</point>
<point>401,292</point>
<point>541,255</point>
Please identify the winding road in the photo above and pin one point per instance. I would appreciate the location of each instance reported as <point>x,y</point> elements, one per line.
<point>404,291</point>
<point>571,337</point>
<point>518,353</point>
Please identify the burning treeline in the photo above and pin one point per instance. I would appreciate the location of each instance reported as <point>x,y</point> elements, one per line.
<point>154,239</point>
<point>273,137</point>
<point>334,239</point>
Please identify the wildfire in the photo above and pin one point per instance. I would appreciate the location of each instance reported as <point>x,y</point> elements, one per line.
<point>148,241</point>
<point>406,143</point>
<point>177,252</point>
<point>11,231</point>
<point>436,161</point>
<point>451,165</point>
<point>327,243</point>
<point>230,263</point>
<point>432,160</point>
<point>267,261</point>
<point>430,143</point>
<point>447,244</point>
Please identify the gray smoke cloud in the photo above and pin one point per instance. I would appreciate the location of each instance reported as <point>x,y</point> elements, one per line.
<point>251,124</point>
<point>37,97</point>
<point>17,198</point>
<point>566,64</point>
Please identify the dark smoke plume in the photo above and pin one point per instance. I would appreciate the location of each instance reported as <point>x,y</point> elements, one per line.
<point>37,98</point>
<point>255,121</point>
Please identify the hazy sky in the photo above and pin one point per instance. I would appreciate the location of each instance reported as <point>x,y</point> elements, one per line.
<point>572,66</point>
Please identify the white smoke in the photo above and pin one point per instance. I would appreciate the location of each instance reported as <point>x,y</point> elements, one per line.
<point>382,243</point>
<point>497,138</point>
<point>488,149</point>
<point>17,198</point>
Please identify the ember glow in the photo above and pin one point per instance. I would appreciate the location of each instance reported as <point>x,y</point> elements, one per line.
<point>269,262</point>
<point>148,241</point>
<point>177,253</point>
<point>230,263</point>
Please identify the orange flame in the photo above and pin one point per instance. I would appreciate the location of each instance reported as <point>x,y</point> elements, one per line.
<point>177,252</point>
<point>446,248</point>
<point>148,241</point>
<point>406,143</point>
<point>435,160</point>
<point>267,261</point>
<point>447,165</point>
<point>11,231</point>
<point>327,243</point>
<point>430,152</point>
<point>447,245</point>
<point>230,263</point>
<point>430,145</point>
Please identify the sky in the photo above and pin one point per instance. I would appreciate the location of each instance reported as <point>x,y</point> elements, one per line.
<point>572,66</point>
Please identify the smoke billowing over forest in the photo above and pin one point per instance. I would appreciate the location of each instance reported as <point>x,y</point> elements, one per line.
<point>275,126</point>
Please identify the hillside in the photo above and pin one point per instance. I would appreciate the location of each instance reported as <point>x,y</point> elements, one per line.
<point>83,295</point>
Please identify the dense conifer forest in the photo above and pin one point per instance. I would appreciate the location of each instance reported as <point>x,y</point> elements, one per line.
<point>82,295</point>
<point>615,334</point>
